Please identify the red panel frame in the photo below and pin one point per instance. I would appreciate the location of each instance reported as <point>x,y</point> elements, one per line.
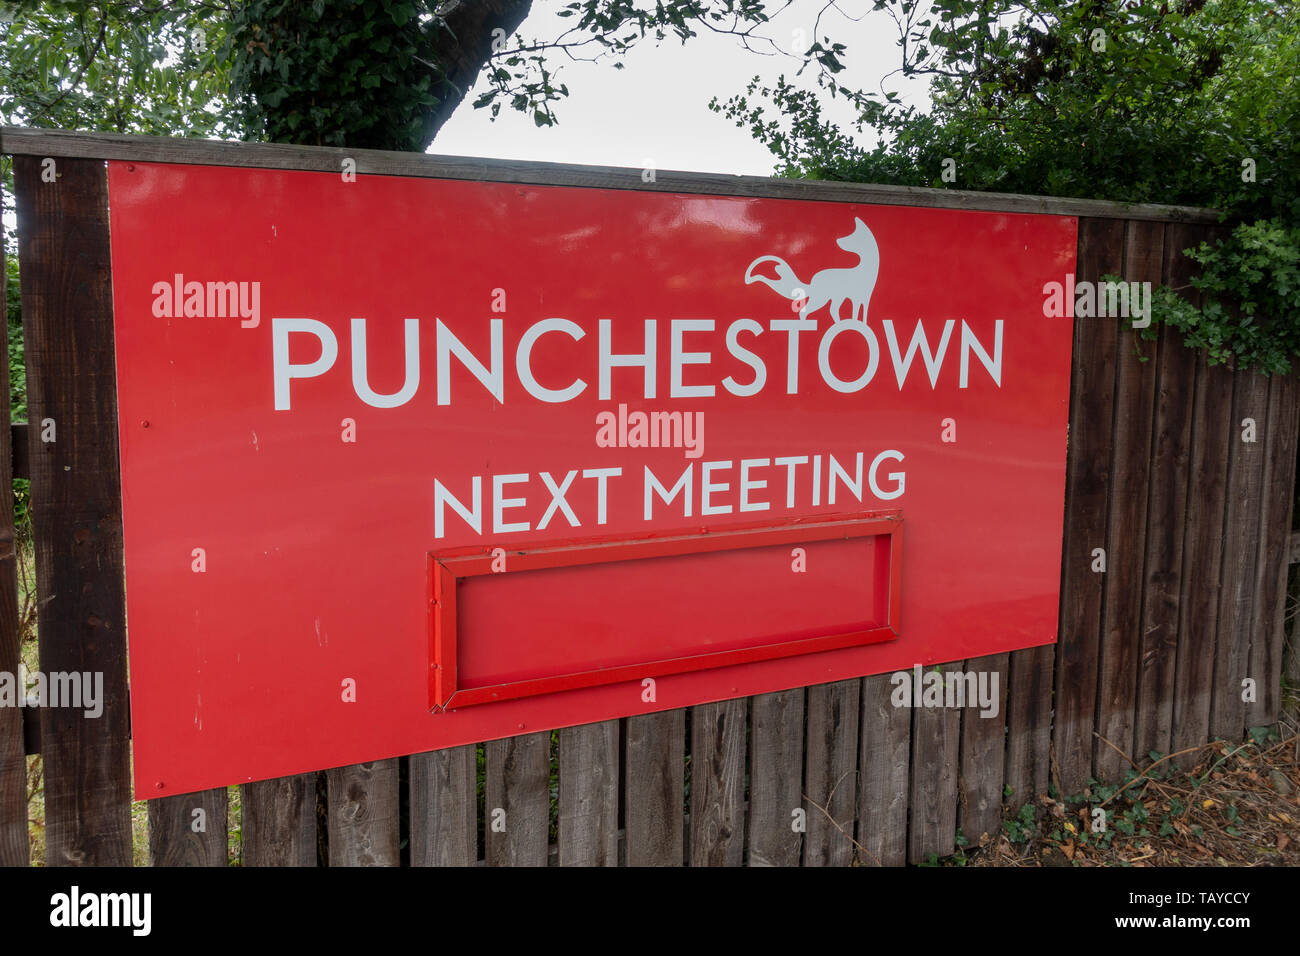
<point>323,660</point>
<point>447,568</point>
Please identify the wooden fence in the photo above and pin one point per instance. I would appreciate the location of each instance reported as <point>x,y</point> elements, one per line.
<point>1152,653</point>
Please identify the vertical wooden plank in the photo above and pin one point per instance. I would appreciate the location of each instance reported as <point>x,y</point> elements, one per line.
<point>1203,548</point>
<point>1198,617</point>
<point>363,814</point>
<point>936,742</point>
<point>1121,633</point>
<point>1166,519</point>
<point>518,800</point>
<point>1087,498</point>
<point>280,821</point>
<point>13,763</point>
<point>654,795</point>
<point>76,504</point>
<point>189,829</point>
<point>444,812</point>
<point>588,825</point>
<point>830,773</point>
<point>1268,630</point>
<point>884,766</point>
<point>718,783</point>
<point>775,777</point>
<point>983,744</point>
<point>1029,724</point>
<point>1246,467</point>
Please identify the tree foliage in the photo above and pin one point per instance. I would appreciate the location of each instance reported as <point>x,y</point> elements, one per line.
<point>149,68</point>
<point>363,73</point>
<point>382,74</point>
<point>388,73</point>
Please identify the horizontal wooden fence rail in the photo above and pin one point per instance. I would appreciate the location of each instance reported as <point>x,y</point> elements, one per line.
<point>60,143</point>
<point>1193,523</point>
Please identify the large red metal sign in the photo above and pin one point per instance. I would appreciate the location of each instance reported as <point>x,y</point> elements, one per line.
<point>413,463</point>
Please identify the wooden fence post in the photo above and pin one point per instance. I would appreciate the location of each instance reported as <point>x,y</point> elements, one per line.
<point>1268,628</point>
<point>830,782</point>
<point>1121,638</point>
<point>775,778</point>
<point>718,741</point>
<point>1203,541</point>
<point>983,742</point>
<point>189,829</point>
<point>518,804</point>
<point>279,821</point>
<point>1241,533</point>
<point>654,791</point>
<point>588,798</point>
<point>76,501</point>
<point>884,781</point>
<point>363,808</point>
<point>1087,496</point>
<point>444,809</point>
<point>936,756</point>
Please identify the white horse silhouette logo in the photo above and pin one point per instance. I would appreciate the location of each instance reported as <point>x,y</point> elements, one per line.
<point>832,287</point>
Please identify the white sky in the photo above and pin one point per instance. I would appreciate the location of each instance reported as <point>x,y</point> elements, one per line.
<point>655,110</point>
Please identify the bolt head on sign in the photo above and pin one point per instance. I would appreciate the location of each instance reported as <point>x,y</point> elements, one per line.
<point>338,416</point>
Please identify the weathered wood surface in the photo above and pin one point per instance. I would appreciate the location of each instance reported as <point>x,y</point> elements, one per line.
<point>1120,650</point>
<point>444,807</point>
<point>1203,540</point>
<point>1240,571</point>
<point>39,142</point>
<point>588,824</point>
<point>1170,475</point>
<point>830,785</point>
<point>1029,724</point>
<point>76,504</point>
<point>718,738</point>
<point>776,778</point>
<point>983,747</point>
<point>363,814</point>
<point>936,750</point>
<point>279,821</point>
<point>884,775</point>
<point>654,789</point>
<point>189,829</point>
<point>1267,631</point>
<point>518,800</point>
<point>1087,493</point>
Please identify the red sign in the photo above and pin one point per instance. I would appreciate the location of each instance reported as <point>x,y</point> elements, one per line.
<point>413,463</point>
